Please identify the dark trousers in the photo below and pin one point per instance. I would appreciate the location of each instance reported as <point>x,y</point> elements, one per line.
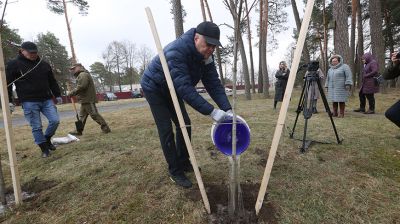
<point>393,113</point>
<point>91,109</point>
<point>175,151</point>
<point>371,100</point>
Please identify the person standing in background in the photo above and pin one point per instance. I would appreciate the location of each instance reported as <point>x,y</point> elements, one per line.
<point>35,85</point>
<point>338,84</point>
<point>86,94</point>
<point>281,76</point>
<point>368,85</point>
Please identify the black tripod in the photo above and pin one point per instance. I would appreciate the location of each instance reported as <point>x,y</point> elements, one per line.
<point>307,104</point>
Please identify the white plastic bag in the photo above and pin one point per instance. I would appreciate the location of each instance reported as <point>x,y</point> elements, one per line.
<point>64,140</point>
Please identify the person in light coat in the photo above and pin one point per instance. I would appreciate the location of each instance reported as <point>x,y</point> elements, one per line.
<point>338,84</point>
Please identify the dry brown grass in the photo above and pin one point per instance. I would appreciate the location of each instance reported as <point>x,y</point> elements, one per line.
<point>121,177</point>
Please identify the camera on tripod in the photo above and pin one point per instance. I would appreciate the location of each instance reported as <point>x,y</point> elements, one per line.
<point>312,68</point>
<point>308,101</point>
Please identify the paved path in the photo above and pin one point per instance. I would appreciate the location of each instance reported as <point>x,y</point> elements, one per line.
<point>20,120</point>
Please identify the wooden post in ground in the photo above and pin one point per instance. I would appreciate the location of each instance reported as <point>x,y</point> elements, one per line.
<point>178,109</point>
<point>8,130</point>
<point>285,104</point>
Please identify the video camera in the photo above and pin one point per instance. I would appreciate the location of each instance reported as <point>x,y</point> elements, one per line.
<point>313,66</point>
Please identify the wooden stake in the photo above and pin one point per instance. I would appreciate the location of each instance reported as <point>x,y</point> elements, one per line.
<point>177,109</point>
<point>8,130</point>
<point>285,105</point>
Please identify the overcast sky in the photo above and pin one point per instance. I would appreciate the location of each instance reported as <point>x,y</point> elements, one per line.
<point>121,20</point>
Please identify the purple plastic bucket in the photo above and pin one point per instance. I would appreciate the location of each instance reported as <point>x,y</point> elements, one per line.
<point>221,135</point>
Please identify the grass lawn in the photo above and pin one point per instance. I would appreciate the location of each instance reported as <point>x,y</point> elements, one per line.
<point>121,177</point>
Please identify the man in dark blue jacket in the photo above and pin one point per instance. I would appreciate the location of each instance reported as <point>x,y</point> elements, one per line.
<point>190,59</point>
<point>35,85</point>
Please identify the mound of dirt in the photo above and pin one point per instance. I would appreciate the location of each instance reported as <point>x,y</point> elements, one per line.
<point>218,198</point>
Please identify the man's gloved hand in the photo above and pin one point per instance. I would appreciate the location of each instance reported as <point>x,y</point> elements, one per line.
<point>230,113</point>
<point>218,115</point>
<point>59,100</point>
<point>12,107</point>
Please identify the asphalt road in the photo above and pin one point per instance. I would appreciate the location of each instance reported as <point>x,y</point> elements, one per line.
<point>20,120</point>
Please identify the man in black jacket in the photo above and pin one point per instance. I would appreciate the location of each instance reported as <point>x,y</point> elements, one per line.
<point>392,72</point>
<point>35,85</point>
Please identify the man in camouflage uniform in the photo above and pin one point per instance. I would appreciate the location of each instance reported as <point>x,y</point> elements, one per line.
<point>86,95</point>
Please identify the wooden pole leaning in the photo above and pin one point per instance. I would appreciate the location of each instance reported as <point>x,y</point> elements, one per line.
<point>8,129</point>
<point>178,109</point>
<point>285,104</point>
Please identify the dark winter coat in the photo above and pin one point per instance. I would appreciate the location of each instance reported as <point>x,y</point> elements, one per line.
<point>392,71</point>
<point>37,85</point>
<point>85,89</point>
<point>280,85</point>
<point>370,70</point>
<point>187,67</point>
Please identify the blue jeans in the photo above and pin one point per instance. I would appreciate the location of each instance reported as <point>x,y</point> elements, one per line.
<point>32,112</point>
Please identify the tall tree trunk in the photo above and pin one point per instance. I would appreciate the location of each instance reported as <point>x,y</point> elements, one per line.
<point>260,47</point>
<point>178,19</point>
<point>325,21</point>
<point>306,53</point>
<point>253,84</point>
<point>389,34</point>
<point>341,30</point>
<point>352,64</point>
<point>360,43</point>
<point>217,50</point>
<point>377,40</point>
<point>74,60</point>
<point>245,67</point>
<point>203,12</point>
<point>119,75</point>
<point>264,50</point>
<point>236,17</point>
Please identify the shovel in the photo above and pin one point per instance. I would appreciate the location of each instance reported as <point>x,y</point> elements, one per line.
<point>78,124</point>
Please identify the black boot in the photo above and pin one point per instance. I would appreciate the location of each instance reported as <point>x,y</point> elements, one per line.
<point>45,149</point>
<point>51,146</point>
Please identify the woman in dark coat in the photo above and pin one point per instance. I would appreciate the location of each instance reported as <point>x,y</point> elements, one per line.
<point>281,76</point>
<point>368,86</point>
